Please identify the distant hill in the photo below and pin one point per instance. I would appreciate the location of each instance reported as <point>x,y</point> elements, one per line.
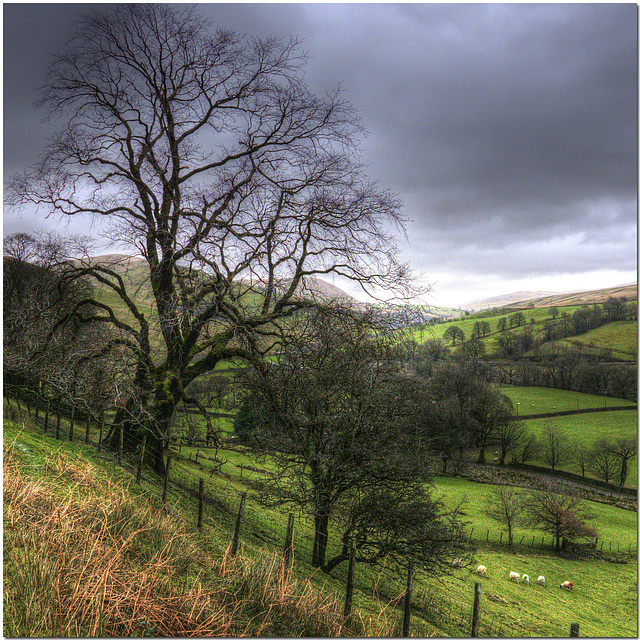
<point>596,296</point>
<point>321,290</point>
<point>503,300</point>
<point>136,271</point>
<point>537,299</point>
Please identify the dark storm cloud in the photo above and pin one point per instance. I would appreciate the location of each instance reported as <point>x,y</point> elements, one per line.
<point>509,130</point>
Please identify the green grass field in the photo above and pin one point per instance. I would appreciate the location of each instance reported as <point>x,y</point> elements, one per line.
<point>536,400</point>
<point>621,338</point>
<point>586,429</point>
<point>617,338</point>
<point>443,605</point>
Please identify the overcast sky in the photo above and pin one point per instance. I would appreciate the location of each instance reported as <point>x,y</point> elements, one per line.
<point>508,130</point>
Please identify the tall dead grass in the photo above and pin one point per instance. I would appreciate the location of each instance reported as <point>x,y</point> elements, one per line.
<point>84,558</point>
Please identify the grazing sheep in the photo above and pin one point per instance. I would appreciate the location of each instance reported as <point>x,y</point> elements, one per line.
<point>482,570</point>
<point>567,585</point>
<point>541,581</point>
<point>525,579</point>
<point>514,577</point>
<point>456,563</point>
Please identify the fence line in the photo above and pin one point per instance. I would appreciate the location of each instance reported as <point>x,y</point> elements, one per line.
<point>384,584</point>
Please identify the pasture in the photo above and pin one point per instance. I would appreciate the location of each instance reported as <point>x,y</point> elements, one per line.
<point>536,400</point>
<point>620,338</point>
<point>442,607</point>
<point>585,429</point>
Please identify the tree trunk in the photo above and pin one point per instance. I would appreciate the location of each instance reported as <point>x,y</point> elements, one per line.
<point>133,432</point>
<point>320,539</point>
<point>623,471</point>
<point>481,455</point>
<point>341,557</point>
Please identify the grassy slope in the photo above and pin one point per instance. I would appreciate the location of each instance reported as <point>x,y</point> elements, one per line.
<point>587,428</point>
<point>526,611</point>
<point>584,428</point>
<point>536,400</point>
<point>618,337</point>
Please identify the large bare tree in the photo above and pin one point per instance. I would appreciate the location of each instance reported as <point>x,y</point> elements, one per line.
<point>211,159</point>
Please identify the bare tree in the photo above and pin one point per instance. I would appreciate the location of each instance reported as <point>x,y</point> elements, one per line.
<point>562,515</point>
<point>624,449</point>
<point>555,447</point>
<point>603,462</point>
<point>506,506</point>
<point>44,358</point>
<point>211,159</point>
<point>582,454</point>
<point>530,450</point>
<point>510,435</point>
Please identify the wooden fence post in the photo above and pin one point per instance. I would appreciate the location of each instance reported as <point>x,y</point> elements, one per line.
<point>72,423</point>
<point>575,630</point>
<point>120,442</point>
<point>348,597</point>
<point>406,618</point>
<point>166,480</point>
<point>101,431</point>
<point>476,610</point>
<point>236,533</point>
<point>200,503</point>
<point>142,448</point>
<point>288,543</point>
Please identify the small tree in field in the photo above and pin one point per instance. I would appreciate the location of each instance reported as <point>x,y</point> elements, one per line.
<point>506,506</point>
<point>562,515</point>
<point>555,447</point>
<point>454,334</point>
<point>602,461</point>
<point>341,429</point>
<point>624,449</point>
<point>530,450</point>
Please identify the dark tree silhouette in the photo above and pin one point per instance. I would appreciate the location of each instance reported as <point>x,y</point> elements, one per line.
<point>212,160</point>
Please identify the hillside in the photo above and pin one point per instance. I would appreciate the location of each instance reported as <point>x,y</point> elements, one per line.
<point>504,300</point>
<point>114,561</point>
<point>536,299</point>
<point>597,296</point>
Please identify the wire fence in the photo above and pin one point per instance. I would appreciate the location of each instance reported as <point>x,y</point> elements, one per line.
<point>196,487</point>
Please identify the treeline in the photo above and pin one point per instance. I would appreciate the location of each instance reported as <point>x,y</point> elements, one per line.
<point>571,369</point>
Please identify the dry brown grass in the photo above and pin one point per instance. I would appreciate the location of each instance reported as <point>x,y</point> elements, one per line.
<point>83,557</point>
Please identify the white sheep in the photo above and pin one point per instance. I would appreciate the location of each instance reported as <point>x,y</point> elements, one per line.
<point>525,579</point>
<point>541,581</point>
<point>482,570</point>
<point>514,577</point>
<point>456,563</point>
